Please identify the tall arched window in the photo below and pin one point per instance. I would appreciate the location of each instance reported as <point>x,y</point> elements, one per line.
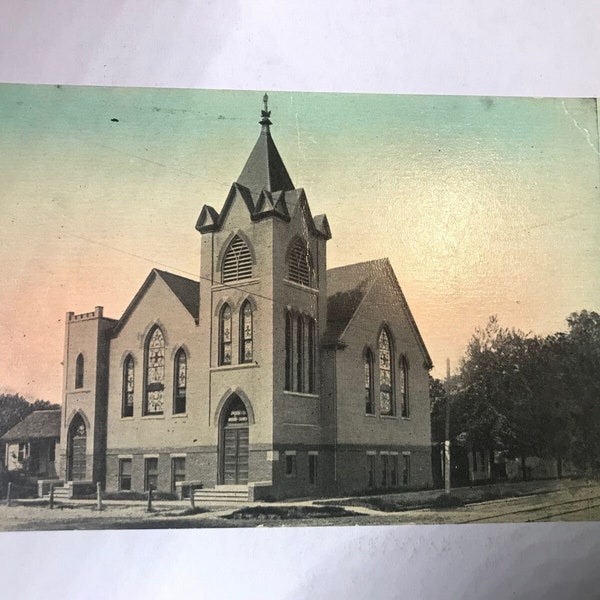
<point>246,333</point>
<point>404,387</point>
<point>180,381</point>
<point>300,267</point>
<point>79,371</point>
<point>386,394</point>
<point>225,335</point>
<point>300,365</point>
<point>369,407</point>
<point>128,387</point>
<point>311,351</point>
<point>237,263</point>
<point>289,352</point>
<point>155,373</point>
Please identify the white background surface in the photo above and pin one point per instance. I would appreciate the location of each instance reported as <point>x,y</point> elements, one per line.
<point>540,48</point>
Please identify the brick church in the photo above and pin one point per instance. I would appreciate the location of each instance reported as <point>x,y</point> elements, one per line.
<point>271,373</point>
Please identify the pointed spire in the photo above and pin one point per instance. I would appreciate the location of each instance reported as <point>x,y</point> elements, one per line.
<point>264,169</point>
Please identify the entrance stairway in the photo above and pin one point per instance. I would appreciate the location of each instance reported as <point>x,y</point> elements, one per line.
<point>222,494</point>
<point>62,493</point>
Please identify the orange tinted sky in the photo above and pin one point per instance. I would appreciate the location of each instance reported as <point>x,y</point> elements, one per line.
<point>483,205</point>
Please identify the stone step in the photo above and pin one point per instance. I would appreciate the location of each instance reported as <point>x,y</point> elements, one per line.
<point>61,493</point>
<point>222,495</point>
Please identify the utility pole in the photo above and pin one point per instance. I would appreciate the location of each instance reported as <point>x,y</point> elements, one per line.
<point>447,432</point>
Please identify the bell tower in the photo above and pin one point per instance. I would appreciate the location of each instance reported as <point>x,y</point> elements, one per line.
<point>263,292</point>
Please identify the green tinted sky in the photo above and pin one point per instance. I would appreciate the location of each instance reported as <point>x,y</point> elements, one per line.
<point>484,206</point>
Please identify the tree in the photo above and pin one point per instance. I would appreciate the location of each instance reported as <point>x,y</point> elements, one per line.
<point>496,405</point>
<point>580,373</point>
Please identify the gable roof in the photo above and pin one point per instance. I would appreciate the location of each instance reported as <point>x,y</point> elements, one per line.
<point>36,425</point>
<point>347,286</point>
<point>186,290</point>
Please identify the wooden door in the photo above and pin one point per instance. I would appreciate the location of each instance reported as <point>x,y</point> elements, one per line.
<point>77,444</point>
<point>235,455</point>
<point>78,459</point>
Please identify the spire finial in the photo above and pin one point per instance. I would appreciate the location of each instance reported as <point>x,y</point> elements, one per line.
<point>265,114</point>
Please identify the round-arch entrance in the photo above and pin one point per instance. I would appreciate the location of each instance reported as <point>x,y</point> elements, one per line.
<point>233,442</point>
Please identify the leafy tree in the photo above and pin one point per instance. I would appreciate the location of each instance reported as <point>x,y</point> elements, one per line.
<point>580,373</point>
<point>532,396</point>
<point>497,400</point>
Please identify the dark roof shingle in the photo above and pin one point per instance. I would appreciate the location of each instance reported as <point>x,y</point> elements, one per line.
<point>346,287</point>
<point>36,425</point>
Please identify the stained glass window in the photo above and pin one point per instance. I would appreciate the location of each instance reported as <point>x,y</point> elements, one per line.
<point>237,263</point>
<point>180,382</point>
<point>225,336</point>
<point>247,334</point>
<point>369,409</point>
<point>386,402</point>
<point>155,373</point>
<point>128,387</point>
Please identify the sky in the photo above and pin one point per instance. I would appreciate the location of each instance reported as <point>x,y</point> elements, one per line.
<point>484,206</point>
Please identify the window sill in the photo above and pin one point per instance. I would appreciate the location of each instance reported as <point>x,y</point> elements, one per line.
<point>252,365</point>
<point>405,418</point>
<point>179,415</point>
<point>132,418</point>
<point>156,416</point>
<point>237,283</point>
<point>370,415</point>
<point>299,286</point>
<point>301,394</point>
<point>390,417</point>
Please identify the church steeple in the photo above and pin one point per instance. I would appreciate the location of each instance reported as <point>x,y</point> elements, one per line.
<point>264,169</point>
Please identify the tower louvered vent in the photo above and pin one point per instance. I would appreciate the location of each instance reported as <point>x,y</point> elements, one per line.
<point>238,261</point>
<point>300,264</point>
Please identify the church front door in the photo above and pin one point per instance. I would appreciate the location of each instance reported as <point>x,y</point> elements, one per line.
<point>77,445</point>
<point>234,444</point>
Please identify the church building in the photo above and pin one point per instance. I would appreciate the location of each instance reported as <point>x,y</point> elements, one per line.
<point>271,375</point>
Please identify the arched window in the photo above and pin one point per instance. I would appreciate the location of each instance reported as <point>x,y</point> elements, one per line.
<point>289,352</point>
<point>155,373</point>
<point>225,335</point>
<point>386,395</point>
<point>128,387</point>
<point>369,407</point>
<point>300,267</point>
<point>300,365</point>
<point>79,371</point>
<point>180,381</point>
<point>311,351</point>
<point>300,353</point>
<point>246,333</point>
<point>237,263</point>
<point>404,387</point>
